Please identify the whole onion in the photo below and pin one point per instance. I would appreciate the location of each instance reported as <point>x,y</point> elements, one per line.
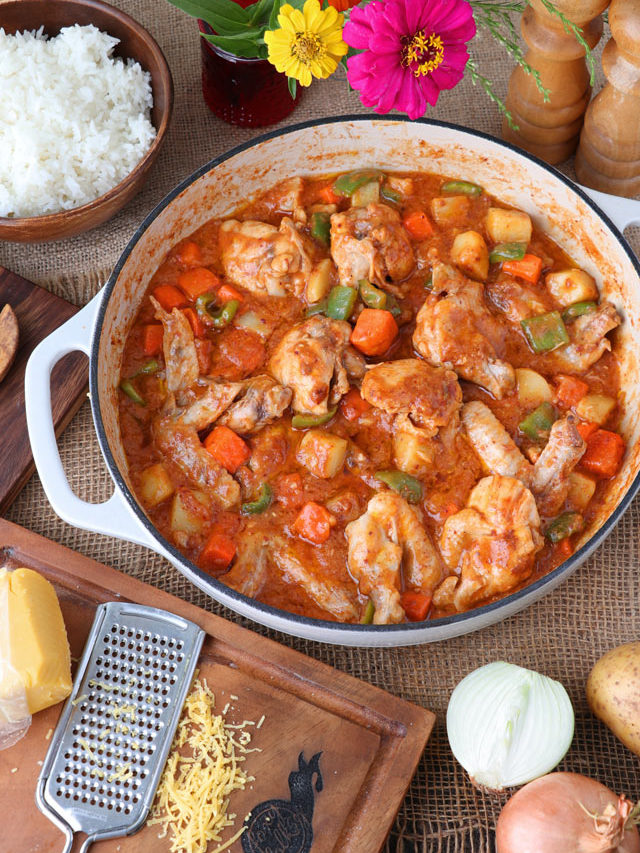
<point>567,813</point>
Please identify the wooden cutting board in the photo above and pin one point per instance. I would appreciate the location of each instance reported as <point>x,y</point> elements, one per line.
<point>370,740</point>
<point>39,313</point>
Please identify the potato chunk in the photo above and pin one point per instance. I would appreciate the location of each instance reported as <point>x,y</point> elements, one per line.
<point>581,489</point>
<point>508,226</point>
<point>451,210</point>
<point>320,281</point>
<point>470,254</point>
<point>595,408</point>
<point>322,453</point>
<point>533,389</point>
<point>569,286</point>
<point>189,512</point>
<point>155,485</point>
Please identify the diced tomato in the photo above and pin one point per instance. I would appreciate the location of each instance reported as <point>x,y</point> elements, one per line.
<point>569,390</point>
<point>374,332</point>
<point>418,224</point>
<point>243,348</point>
<point>169,297</point>
<point>227,448</point>
<point>586,429</point>
<point>198,281</point>
<point>290,491</point>
<point>152,339</point>
<point>564,548</point>
<point>604,453</point>
<point>219,550</point>
<point>416,605</point>
<point>227,293</point>
<point>194,321</point>
<point>314,523</point>
<point>528,268</point>
<point>352,406</point>
<point>189,254</point>
<point>204,349</point>
<point>326,194</point>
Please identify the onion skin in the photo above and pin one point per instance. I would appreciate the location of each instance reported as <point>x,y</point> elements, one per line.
<point>555,814</point>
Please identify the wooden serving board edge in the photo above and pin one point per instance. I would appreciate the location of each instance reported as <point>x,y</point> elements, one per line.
<point>403,727</point>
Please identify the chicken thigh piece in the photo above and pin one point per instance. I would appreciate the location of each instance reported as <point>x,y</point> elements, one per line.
<point>490,545</point>
<point>516,301</point>
<point>266,259</point>
<point>548,479</point>
<point>588,341</point>
<point>455,328</point>
<point>315,359</point>
<point>178,347</point>
<point>261,402</point>
<point>387,545</point>
<point>431,396</point>
<point>370,243</point>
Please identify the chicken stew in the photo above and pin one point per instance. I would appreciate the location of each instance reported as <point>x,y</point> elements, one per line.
<point>371,398</point>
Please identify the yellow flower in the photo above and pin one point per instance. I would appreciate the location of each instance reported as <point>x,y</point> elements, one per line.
<point>308,43</point>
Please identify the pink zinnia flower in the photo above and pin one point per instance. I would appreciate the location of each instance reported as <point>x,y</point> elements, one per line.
<point>411,50</point>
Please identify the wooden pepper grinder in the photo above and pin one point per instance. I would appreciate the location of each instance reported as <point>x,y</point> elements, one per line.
<point>551,130</point>
<point>608,158</point>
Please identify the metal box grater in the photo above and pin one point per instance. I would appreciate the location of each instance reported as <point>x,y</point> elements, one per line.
<point>112,740</point>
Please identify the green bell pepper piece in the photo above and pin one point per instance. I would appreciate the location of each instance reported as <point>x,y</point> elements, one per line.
<point>147,369</point>
<point>545,332</point>
<point>392,306</point>
<point>371,295</point>
<point>347,184</point>
<point>507,252</point>
<point>578,309</point>
<point>309,421</point>
<point>537,424</point>
<point>127,386</point>
<point>369,612</point>
<point>563,526</point>
<point>321,227</point>
<point>202,305</point>
<point>462,188</point>
<point>261,502</point>
<point>316,308</point>
<point>407,486</point>
<point>341,302</point>
<point>224,315</point>
<point>428,285</point>
<point>390,195</point>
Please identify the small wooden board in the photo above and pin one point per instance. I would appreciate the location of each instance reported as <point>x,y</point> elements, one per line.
<point>39,313</point>
<point>370,741</point>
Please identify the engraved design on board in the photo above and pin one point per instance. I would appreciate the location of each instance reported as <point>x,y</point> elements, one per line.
<point>285,826</point>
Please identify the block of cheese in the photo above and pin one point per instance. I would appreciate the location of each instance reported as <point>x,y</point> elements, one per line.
<point>37,639</point>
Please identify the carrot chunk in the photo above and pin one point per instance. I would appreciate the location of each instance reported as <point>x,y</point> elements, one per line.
<point>195,322</point>
<point>564,548</point>
<point>586,429</point>
<point>528,268</point>
<point>227,293</point>
<point>352,406</point>
<point>326,195</point>
<point>189,254</point>
<point>314,523</point>
<point>418,225</point>
<point>604,453</point>
<point>152,339</point>
<point>416,605</point>
<point>374,332</point>
<point>227,448</point>
<point>169,297</point>
<point>570,390</point>
<point>218,551</point>
<point>198,281</point>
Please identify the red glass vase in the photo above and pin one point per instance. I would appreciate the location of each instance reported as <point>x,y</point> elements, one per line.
<point>246,92</point>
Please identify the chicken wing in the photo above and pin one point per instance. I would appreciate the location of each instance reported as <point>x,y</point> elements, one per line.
<point>455,328</point>
<point>515,300</point>
<point>588,341</point>
<point>371,243</point>
<point>261,402</point>
<point>490,545</point>
<point>314,360</point>
<point>430,395</point>
<point>548,479</point>
<point>178,347</point>
<point>387,545</point>
<point>266,259</point>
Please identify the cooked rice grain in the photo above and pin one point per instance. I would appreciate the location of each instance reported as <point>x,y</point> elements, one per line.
<point>73,121</point>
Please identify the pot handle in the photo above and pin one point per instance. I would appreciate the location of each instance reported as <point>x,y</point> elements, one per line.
<point>113,517</point>
<point>622,211</point>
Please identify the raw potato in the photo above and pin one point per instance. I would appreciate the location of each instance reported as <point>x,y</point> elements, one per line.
<point>470,254</point>
<point>570,286</point>
<point>508,226</point>
<point>8,339</point>
<point>613,693</point>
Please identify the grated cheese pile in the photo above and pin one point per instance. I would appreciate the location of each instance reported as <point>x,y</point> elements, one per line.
<point>73,121</point>
<point>193,797</point>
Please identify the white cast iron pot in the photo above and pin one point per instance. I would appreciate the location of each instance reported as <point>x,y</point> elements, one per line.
<point>582,222</point>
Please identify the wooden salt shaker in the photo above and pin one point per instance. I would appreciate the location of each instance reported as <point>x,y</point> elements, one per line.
<point>608,158</point>
<point>551,130</point>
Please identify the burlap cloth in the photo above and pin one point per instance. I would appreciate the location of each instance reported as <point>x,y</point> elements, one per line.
<point>562,635</point>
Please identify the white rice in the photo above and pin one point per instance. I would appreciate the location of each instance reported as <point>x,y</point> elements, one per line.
<point>73,121</point>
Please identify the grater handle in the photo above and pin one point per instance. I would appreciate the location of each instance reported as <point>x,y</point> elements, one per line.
<point>112,517</point>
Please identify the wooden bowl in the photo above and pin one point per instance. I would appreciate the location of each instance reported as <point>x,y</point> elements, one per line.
<point>135,43</point>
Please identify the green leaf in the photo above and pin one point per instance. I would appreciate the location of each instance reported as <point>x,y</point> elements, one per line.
<point>293,86</point>
<point>212,10</point>
<point>243,44</point>
<point>260,12</point>
<point>273,18</point>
